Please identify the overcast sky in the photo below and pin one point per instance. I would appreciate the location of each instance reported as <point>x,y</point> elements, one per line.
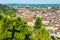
<point>31,1</point>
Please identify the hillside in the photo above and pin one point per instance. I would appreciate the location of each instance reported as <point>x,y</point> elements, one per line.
<point>6,10</point>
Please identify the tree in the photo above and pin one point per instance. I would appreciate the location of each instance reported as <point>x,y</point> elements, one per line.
<point>7,10</point>
<point>20,24</point>
<point>42,34</point>
<point>38,23</point>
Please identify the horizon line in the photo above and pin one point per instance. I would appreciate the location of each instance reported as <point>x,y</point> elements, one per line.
<point>29,3</point>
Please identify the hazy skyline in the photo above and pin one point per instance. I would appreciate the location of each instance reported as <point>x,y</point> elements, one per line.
<point>31,1</point>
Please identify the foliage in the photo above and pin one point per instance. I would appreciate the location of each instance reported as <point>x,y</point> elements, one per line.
<point>42,34</point>
<point>54,38</point>
<point>20,24</point>
<point>38,23</point>
<point>27,32</point>
<point>7,10</point>
<point>54,9</point>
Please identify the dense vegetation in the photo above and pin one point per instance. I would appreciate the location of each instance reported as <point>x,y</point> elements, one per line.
<point>7,10</point>
<point>7,22</point>
<point>13,27</point>
<point>26,32</point>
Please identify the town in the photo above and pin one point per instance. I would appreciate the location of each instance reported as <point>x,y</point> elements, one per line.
<point>50,17</point>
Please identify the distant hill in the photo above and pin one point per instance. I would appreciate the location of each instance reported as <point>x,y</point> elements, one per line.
<point>33,5</point>
<point>6,10</point>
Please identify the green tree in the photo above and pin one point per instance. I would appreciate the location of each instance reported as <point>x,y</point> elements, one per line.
<point>20,24</point>
<point>42,34</point>
<point>38,23</point>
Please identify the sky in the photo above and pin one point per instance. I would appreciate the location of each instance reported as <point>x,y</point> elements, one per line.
<point>31,1</point>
